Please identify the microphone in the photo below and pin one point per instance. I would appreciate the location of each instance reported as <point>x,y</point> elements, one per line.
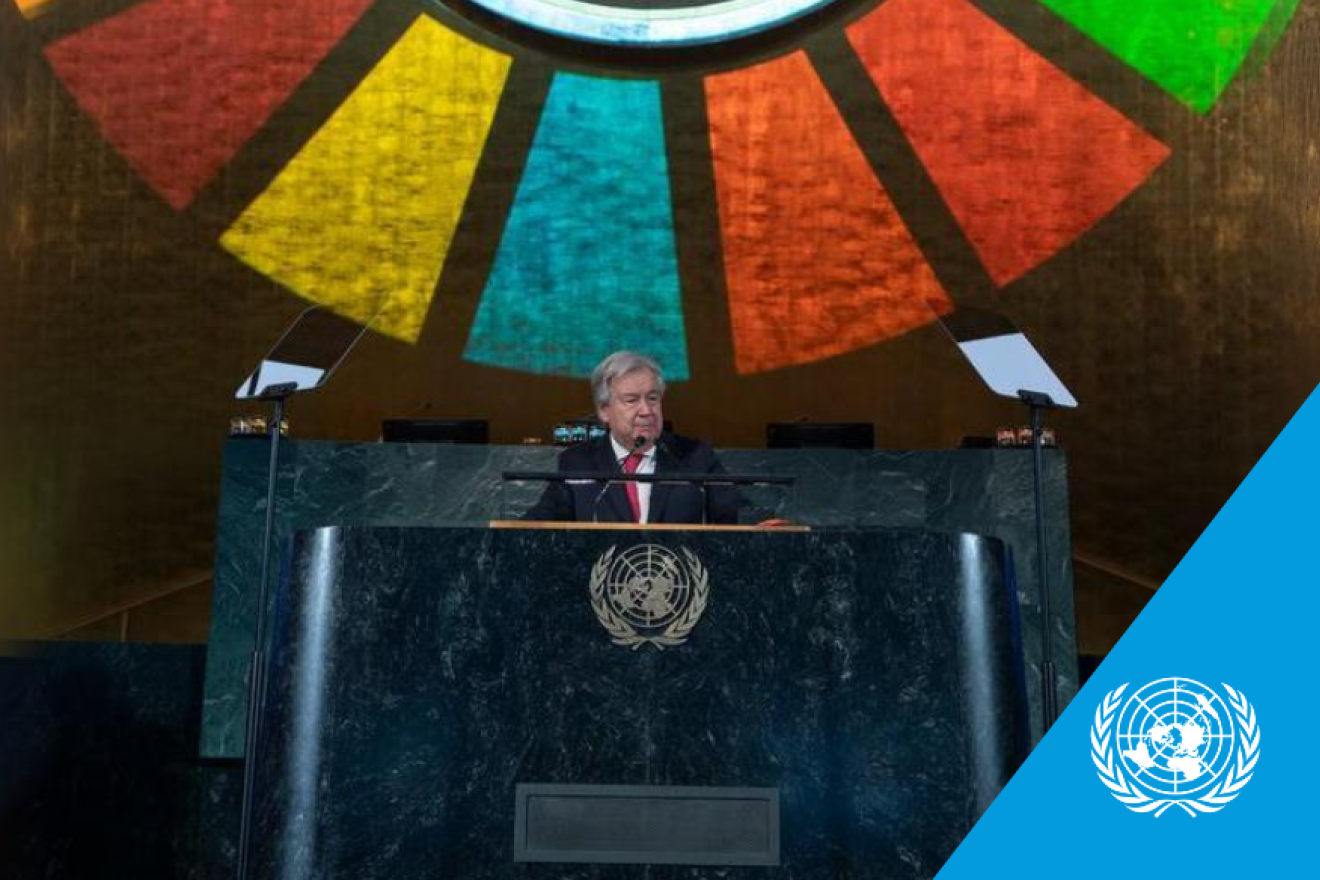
<point>638,443</point>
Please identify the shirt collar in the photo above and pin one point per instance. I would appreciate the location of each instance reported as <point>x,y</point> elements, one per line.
<point>620,452</point>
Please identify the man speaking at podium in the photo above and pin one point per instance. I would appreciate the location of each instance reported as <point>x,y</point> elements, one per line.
<point>628,390</point>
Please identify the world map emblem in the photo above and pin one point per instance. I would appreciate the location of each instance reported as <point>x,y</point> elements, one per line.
<point>648,594</point>
<point>1175,742</point>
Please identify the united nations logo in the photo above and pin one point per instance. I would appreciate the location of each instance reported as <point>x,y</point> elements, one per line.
<point>649,594</point>
<point>1175,742</point>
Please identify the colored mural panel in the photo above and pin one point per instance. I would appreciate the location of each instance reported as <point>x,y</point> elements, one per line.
<point>588,262</point>
<point>1190,48</point>
<point>178,86</point>
<point>817,260</point>
<point>362,218</point>
<point>1026,158</point>
<point>33,8</point>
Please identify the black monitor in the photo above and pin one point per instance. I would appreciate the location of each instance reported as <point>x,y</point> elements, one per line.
<point>435,431</point>
<point>820,435</point>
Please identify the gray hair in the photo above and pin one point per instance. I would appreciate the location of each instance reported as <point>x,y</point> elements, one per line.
<point>619,364</point>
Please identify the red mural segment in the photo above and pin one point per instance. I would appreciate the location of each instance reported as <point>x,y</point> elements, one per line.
<point>178,86</point>
<point>1025,156</point>
<point>817,260</point>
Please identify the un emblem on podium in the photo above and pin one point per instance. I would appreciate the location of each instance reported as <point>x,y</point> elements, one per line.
<point>649,594</point>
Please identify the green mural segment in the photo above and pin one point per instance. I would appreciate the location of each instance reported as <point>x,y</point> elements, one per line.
<point>1190,48</point>
<point>588,262</point>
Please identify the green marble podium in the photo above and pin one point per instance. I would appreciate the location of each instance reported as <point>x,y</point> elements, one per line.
<point>867,680</point>
<point>984,492</point>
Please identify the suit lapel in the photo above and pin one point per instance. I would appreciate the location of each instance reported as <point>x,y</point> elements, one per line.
<point>664,464</point>
<point>616,494</point>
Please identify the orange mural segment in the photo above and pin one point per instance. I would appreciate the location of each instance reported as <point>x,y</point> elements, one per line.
<point>178,86</point>
<point>32,8</point>
<point>1026,158</point>
<point>816,258</point>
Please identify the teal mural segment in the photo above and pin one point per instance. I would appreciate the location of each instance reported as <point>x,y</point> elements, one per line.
<point>588,262</point>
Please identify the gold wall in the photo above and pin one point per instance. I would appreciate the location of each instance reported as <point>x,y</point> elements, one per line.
<point>1186,322</point>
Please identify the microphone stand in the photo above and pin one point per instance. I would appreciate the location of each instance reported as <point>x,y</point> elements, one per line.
<point>277,395</point>
<point>1037,403</point>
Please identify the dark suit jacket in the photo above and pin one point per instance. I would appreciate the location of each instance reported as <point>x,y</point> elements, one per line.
<point>675,456</point>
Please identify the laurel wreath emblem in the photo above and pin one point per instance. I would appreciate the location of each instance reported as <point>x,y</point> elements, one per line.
<point>1236,775</point>
<point>678,629</point>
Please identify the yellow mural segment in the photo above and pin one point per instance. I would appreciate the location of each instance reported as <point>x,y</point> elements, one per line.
<point>33,8</point>
<point>362,217</point>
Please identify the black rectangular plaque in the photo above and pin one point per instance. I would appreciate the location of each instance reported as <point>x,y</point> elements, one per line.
<point>646,824</point>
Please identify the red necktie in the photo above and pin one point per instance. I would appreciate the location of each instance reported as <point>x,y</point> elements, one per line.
<point>630,465</point>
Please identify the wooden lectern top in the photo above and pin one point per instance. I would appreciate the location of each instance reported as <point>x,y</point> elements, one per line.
<point>653,527</point>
